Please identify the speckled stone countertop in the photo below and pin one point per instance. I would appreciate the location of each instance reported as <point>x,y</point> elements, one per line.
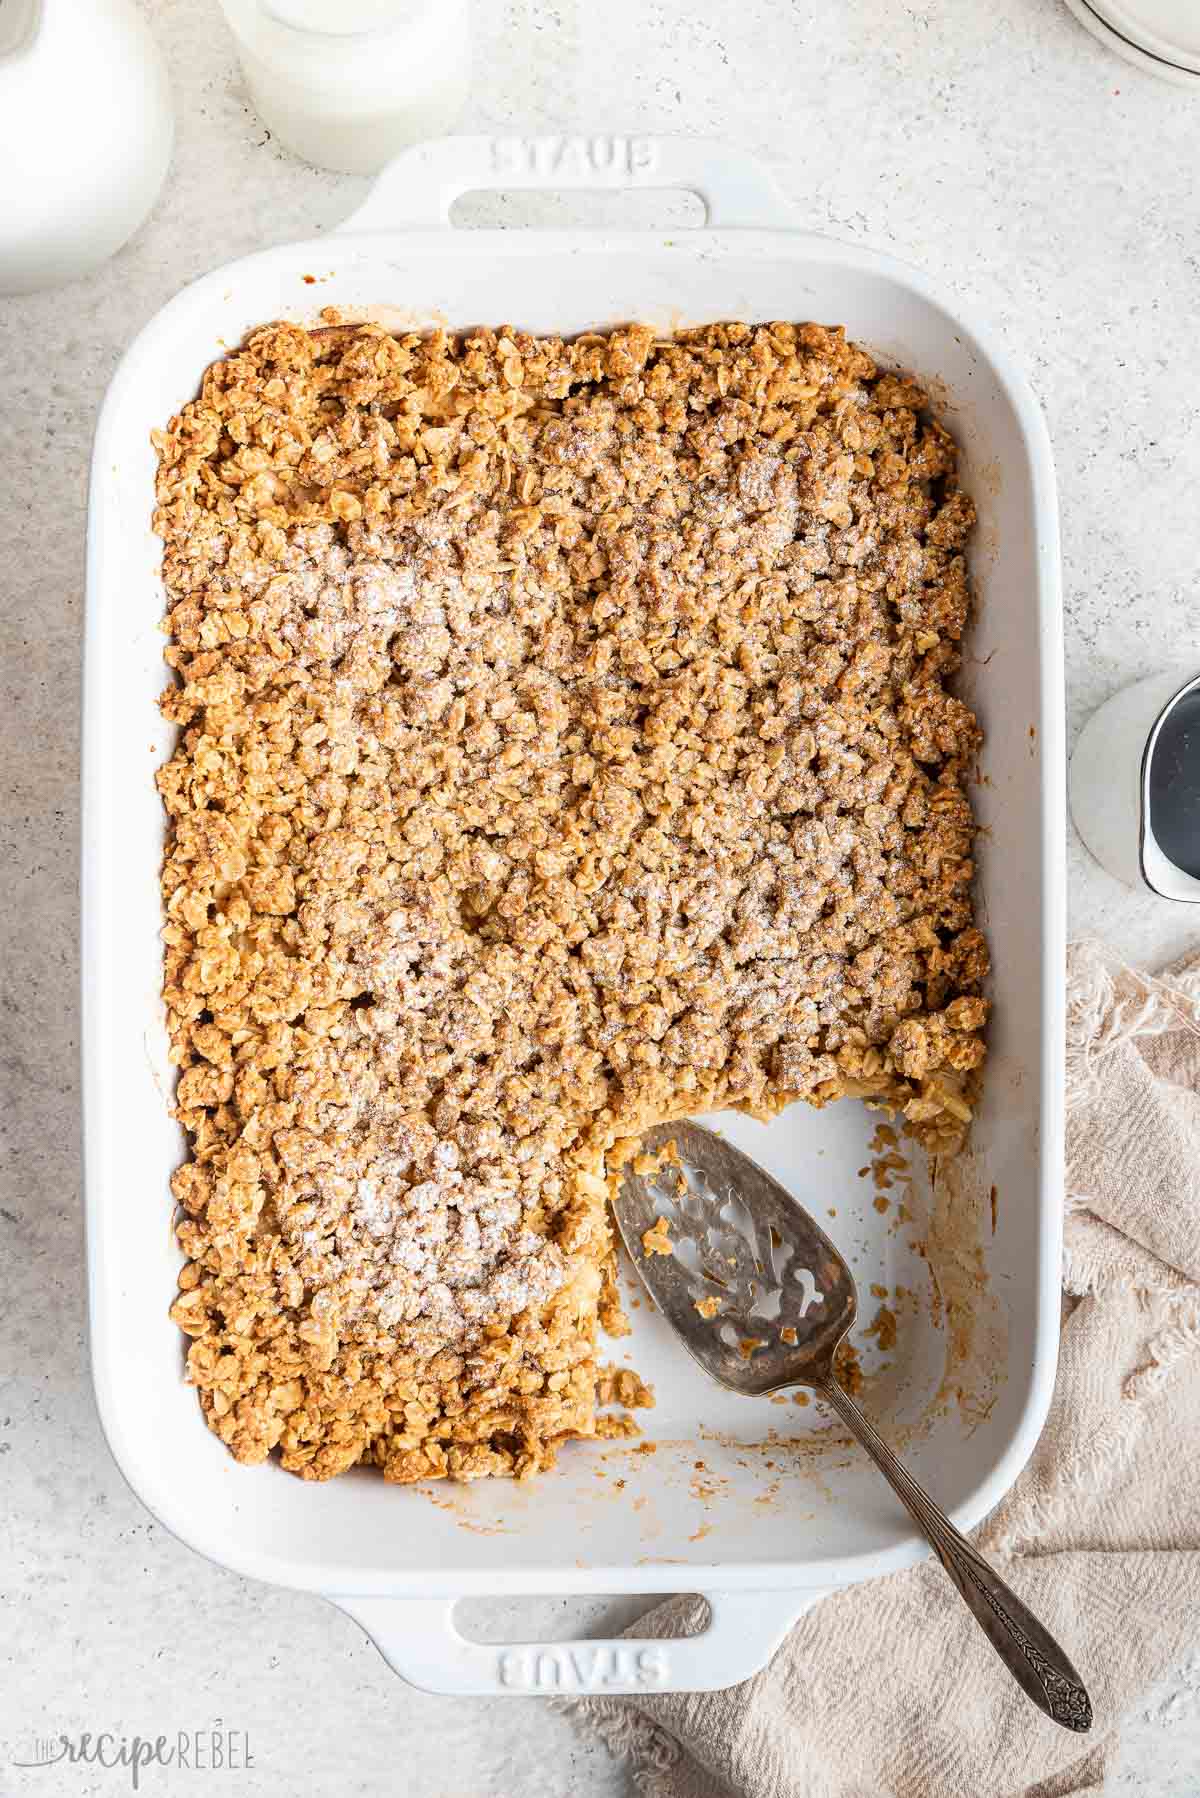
<point>1056,190</point>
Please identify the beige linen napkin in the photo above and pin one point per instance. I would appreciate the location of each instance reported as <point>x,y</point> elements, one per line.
<point>889,1690</point>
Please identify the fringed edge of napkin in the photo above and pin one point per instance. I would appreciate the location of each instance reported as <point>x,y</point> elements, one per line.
<point>1110,1005</point>
<point>1102,1014</point>
<point>648,1751</point>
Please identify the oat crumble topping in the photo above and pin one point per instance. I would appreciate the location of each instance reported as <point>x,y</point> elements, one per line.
<point>658,1240</point>
<point>565,746</point>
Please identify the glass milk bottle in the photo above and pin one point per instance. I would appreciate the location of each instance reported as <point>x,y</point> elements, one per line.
<point>346,84</point>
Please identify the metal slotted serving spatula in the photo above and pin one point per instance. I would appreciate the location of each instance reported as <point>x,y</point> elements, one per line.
<point>761,1298</point>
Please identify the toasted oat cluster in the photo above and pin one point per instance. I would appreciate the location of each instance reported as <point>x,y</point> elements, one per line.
<point>564,746</point>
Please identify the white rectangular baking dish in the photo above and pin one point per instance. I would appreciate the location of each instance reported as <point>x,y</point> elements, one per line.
<point>765,1525</point>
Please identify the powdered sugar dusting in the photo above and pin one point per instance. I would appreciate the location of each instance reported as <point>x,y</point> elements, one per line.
<point>566,745</point>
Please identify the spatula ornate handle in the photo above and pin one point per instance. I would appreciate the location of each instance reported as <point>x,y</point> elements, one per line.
<point>1029,1652</point>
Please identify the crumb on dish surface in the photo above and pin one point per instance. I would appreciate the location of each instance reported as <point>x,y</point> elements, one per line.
<point>564,745</point>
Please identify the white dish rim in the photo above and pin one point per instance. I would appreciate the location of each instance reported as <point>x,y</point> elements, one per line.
<point>803,1577</point>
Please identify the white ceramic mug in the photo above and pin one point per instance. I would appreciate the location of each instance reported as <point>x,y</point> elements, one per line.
<point>1110,786</point>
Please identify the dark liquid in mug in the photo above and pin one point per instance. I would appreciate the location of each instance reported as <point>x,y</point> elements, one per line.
<point>1175,786</point>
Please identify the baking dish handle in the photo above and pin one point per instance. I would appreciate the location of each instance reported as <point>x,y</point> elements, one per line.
<point>419,1639</point>
<point>418,187</point>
